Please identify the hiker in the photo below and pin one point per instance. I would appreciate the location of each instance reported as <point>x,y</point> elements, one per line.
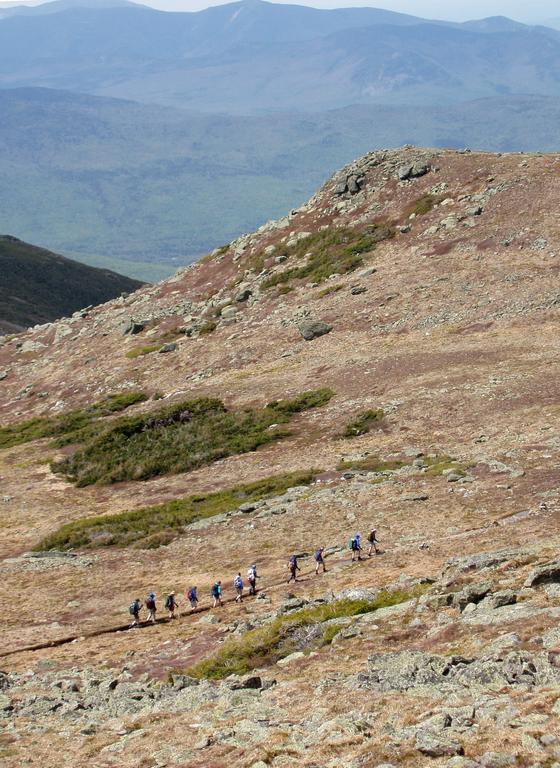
<point>373,542</point>
<point>238,584</point>
<point>217,594</point>
<point>354,546</point>
<point>320,560</point>
<point>192,597</point>
<point>294,568</point>
<point>151,607</point>
<point>134,610</point>
<point>252,579</point>
<point>171,605</point>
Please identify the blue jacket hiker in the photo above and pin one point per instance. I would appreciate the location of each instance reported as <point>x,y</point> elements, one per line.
<point>217,594</point>
<point>294,568</point>
<point>192,597</point>
<point>320,560</point>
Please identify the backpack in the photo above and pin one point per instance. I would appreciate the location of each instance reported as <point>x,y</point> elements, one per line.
<point>150,603</point>
<point>318,556</point>
<point>351,543</point>
<point>169,602</point>
<point>191,594</point>
<point>215,591</point>
<point>293,561</point>
<point>371,538</point>
<point>133,609</point>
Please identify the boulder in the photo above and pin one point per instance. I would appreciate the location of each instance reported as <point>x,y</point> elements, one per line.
<point>312,329</point>
<point>32,346</point>
<point>356,290</point>
<point>171,347</point>
<point>544,574</point>
<point>243,295</point>
<point>228,312</point>
<point>130,327</point>
<point>437,745</point>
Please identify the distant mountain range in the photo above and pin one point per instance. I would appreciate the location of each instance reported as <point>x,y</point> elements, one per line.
<point>254,57</point>
<point>144,189</point>
<point>37,286</point>
<point>233,115</point>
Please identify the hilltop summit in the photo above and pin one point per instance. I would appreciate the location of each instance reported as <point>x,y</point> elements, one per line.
<point>384,356</point>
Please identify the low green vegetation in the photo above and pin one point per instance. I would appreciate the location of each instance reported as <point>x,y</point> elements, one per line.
<point>331,251</point>
<point>71,426</point>
<point>371,464</point>
<point>154,526</point>
<point>424,204</point>
<point>438,465</point>
<point>363,423</point>
<point>266,645</point>
<point>180,437</point>
<point>328,290</point>
<point>132,354</point>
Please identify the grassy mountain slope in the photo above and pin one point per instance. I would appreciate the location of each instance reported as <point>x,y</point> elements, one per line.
<point>121,184</point>
<point>37,286</point>
<point>428,410</point>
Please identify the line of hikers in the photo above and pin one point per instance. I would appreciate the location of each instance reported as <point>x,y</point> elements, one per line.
<point>172,606</point>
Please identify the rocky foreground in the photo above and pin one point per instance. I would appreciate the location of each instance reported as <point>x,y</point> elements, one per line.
<point>438,311</point>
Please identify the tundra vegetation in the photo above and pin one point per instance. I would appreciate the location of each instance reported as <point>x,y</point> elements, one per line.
<point>337,250</point>
<point>157,525</point>
<point>180,437</point>
<point>72,426</point>
<point>307,629</point>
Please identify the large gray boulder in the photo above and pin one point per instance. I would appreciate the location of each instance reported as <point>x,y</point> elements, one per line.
<point>312,329</point>
<point>130,327</point>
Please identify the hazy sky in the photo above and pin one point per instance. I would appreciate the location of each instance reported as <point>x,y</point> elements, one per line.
<point>456,10</point>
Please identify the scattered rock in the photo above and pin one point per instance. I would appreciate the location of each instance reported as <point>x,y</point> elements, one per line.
<point>171,347</point>
<point>435,745</point>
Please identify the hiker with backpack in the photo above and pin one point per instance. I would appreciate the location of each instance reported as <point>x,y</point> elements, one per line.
<point>151,607</point>
<point>294,568</point>
<point>217,594</point>
<point>355,547</point>
<point>134,609</point>
<point>171,605</point>
<point>320,560</point>
<point>373,542</point>
<point>252,579</point>
<point>192,597</point>
<point>238,584</point>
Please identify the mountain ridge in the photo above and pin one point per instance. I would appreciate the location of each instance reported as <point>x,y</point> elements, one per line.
<point>38,286</point>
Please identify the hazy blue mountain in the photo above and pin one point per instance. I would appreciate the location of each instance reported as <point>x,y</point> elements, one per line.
<point>144,189</point>
<point>253,56</point>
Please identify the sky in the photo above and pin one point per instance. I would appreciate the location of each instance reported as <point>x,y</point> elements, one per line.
<point>454,10</point>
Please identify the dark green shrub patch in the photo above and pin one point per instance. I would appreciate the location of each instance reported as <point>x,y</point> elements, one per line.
<point>70,426</point>
<point>179,438</point>
<point>332,251</point>
<point>363,422</point>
